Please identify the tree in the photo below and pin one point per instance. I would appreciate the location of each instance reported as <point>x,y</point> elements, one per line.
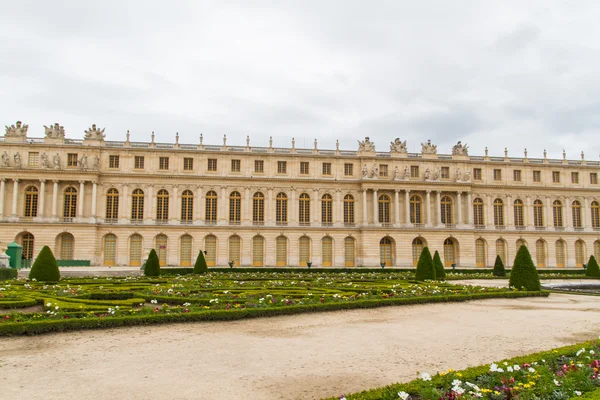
<point>592,267</point>
<point>440,273</point>
<point>499,267</point>
<point>524,275</point>
<point>152,267</point>
<point>425,269</point>
<point>45,267</point>
<point>200,266</point>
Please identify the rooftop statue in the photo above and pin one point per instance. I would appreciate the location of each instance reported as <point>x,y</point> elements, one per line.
<point>460,149</point>
<point>398,146</point>
<point>55,131</point>
<point>366,145</point>
<point>428,148</point>
<point>94,133</point>
<point>17,130</point>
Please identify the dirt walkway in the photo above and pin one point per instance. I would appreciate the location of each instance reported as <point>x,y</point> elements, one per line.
<point>295,357</point>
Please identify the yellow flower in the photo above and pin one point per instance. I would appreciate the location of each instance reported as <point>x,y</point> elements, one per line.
<point>459,374</point>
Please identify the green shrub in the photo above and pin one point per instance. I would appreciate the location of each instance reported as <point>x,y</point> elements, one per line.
<point>45,267</point>
<point>440,273</point>
<point>8,273</point>
<point>524,275</point>
<point>592,267</point>
<point>499,267</point>
<point>200,266</point>
<point>152,267</point>
<point>425,270</point>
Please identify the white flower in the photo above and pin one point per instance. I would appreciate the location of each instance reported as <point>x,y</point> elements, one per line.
<point>531,370</point>
<point>580,352</point>
<point>516,367</point>
<point>509,368</point>
<point>153,301</point>
<point>459,390</point>
<point>403,395</point>
<point>187,304</point>
<point>557,383</point>
<point>493,367</point>
<point>592,352</point>
<point>577,392</point>
<point>56,307</point>
<point>456,382</point>
<point>473,386</point>
<point>48,304</point>
<point>499,370</point>
<point>425,376</point>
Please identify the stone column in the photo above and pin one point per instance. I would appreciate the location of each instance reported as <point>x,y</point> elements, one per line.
<point>549,216</point>
<point>397,208</point>
<point>338,208</point>
<point>41,206</point>
<point>148,203</point>
<point>459,208</point>
<point>364,206</point>
<point>375,210</point>
<point>528,212</point>
<point>585,214</point>
<point>198,215</point>
<point>15,197</point>
<point>247,207</point>
<point>270,207</point>
<point>2,192</point>
<point>54,199</point>
<point>510,216</point>
<point>438,203</point>
<point>407,207</point>
<point>175,207</point>
<point>428,208</point>
<point>94,201</point>
<point>568,214</point>
<point>293,208</point>
<point>316,207</point>
<point>81,199</point>
<point>489,220</point>
<point>223,208</point>
<point>469,209</point>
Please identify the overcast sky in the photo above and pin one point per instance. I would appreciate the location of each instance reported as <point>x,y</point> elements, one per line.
<point>499,74</point>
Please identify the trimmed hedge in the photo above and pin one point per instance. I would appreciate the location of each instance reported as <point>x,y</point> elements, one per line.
<point>524,276</point>
<point>70,324</point>
<point>425,269</point>
<point>440,273</point>
<point>152,267</point>
<point>200,266</point>
<point>8,273</point>
<point>45,268</point>
<point>499,267</point>
<point>592,267</point>
<point>19,303</point>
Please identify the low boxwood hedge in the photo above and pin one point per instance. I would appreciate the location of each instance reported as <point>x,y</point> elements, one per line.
<point>8,273</point>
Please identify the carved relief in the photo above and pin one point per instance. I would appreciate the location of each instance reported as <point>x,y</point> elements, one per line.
<point>4,161</point>
<point>44,160</point>
<point>94,133</point>
<point>17,158</point>
<point>56,161</point>
<point>374,171</point>
<point>17,130</point>
<point>55,131</point>
<point>366,145</point>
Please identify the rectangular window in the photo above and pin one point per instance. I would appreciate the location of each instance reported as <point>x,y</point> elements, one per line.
<point>71,159</point>
<point>236,165</point>
<point>593,178</point>
<point>555,176</point>
<point>188,164</point>
<point>163,163</point>
<point>517,175</point>
<point>138,162</point>
<point>537,176</point>
<point>282,167</point>
<point>414,171</point>
<point>348,169</point>
<point>212,164</point>
<point>383,170</point>
<point>476,174</point>
<point>259,166</point>
<point>574,177</point>
<point>34,159</point>
<point>445,173</point>
<point>113,161</point>
<point>497,174</point>
<point>326,168</point>
<point>303,167</point>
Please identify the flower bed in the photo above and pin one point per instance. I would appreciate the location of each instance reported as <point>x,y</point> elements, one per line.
<point>563,373</point>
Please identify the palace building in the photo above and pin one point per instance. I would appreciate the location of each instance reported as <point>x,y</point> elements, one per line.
<point>110,202</point>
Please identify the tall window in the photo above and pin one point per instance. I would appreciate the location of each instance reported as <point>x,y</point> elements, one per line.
<point>162,205</point>
<point>326,168</point>
<point>595,214</point>
<point>593,178</point>
<point>281,251</point>
<point>446,210</point>
<point>480,253</point>
<point>31,202</point>
<point>211,207</point>
<point>383,170</point>
<point>161,248</point>
<point>327,251</point>
<point>576,210</point>
<point>110,249</point>
<point>27,241</point>
<point>326,209</point>
<point>574,177</point>
<point>517,175</point>
<point>538,213</point>
<point>349,251</point>
<point>235,249</point>
<point>71,159</point>
<point>281,167</point>
<point>478,212</point>
<point>349,209</point>
<point>501,250</point>
<point>415,209</point>
<point>386,251</point>
<point>518,210</point>
<point>258,208</point>
<point>259,166</point>
<point>185,251</point>
<point>112,204</point>
<point>212,165</point>
<point>445,172</point>
<point>304,251</point>
<point>498,212</point>
<point>477,174</point>
<point>138,162</point>
<point>597,249</point>
<point>557,213</point>
<point>579,253</point>
<point>34,159</point>
<point>414,171</point>
<point>384,209</point>
<point>540,253</point>
<point>137,205</point>
<point>304,209</point>
<point>556,176</point>
<point>236,165</point>
<point>519,243</point>
<point>135,250</point>
<point>258,251</point>
<point>560,253</point>
<point>497,174</point>
<point>281,209</point>
<point>187,206</point>
<point>188,164</point>
<point>70,204</point>
<point>348,169</point>
<point>417,248</point>
<point>67,246</point>
<point>210,246</point>
<point>304,167</point>
<point>163,163</point>
<point>235,205</point>
<point>449,252</point>
<point>113,161</point>
<point>537,176</point>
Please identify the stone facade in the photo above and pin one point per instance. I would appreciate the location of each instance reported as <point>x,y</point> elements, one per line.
<point>111,202</point>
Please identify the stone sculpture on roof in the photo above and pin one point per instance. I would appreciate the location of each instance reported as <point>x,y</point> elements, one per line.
<point>428,148</point>
<point>55,131</point>
<point>17,130</point>
<point>398,146</point>
<point>460,149</point>
<point>94,133</point>
<point>366,145</point>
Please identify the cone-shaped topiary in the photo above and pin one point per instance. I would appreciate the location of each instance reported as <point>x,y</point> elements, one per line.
<point>45,267</point>
<point>152,267</point>
<point>200,266</point>
<point>592,267</point>
<point>440,273</point>
<point>524,275</point>
<point>425,268</point>
<point>499,267</point>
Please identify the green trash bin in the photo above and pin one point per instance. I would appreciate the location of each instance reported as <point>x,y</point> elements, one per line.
<point>14,251</point>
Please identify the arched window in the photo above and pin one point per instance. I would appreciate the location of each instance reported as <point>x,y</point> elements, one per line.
<point>384,209</point>
<point>560,253</point>
<point>540,253</point>
<point>498,212</point>
<point>110,249</point>
<point>162,205</point>
<point>70,204</point>
<point>480,253</point>
<point>137,205</point>
<point>66,244</point>
<point>235,206</point>
<point>449,252</point>
<point>579,253</point>
<point>185,251</point>
<point>210,246</point>
<point>386,251</point>
<point>478,212</point>
<point>446,210</point>
<point>258,208</point>
<point>258,251</point>
<point>211,207</point>
<point>327,251</point>
<point>135,250</point>
<point>281,251</point>
<point>304,251</point>
<point>349,252</point>
<point>518,209</point>
<point>27,240</point>
<point>415,209</point>
<point>557,211</point>
<point>326,209</point>
<point>519,243</point>
<point>349,209</point>
<point>31,202</point>
<point>235,250</point>
<point>161,249</point>
<point>595,214</point>
<point>281,210</point>
<point>538,214</point>
<point>112,205</point>
<point>576,210</point>
<point>304,209</point>
<point>596,249</point>
<point>187,207</point>
<point>417,248</point>
<point>501,250</point>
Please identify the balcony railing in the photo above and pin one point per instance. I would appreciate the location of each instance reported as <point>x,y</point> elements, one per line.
<point>540,228</point>
<point>111,220</point>
<point>479,226</point>
<point>326,224</point>
<point>500,227</point>
<point>160,221</point>
<point>235,223</point>
<point>210,222</point>
<point>418,225</point>
<point>67,219</point>
<point>136,221</point>
<point>258,223</point>
<point>559,228</point>
<point>349,224</point>
<point>596,229</point>
<point>186,221</point>
<point>450,226</point>
<point>578,228</point>
<point>304,223</point>
<point>281,223</point>
<point>386,224</point>
<point>520,227</point>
